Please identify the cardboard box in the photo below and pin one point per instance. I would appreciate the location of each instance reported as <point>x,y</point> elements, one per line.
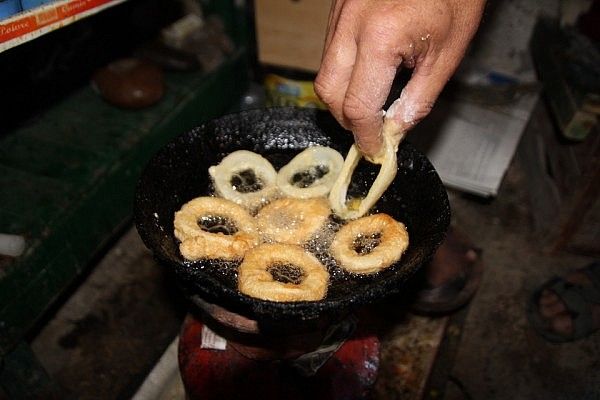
<point>291,33</point>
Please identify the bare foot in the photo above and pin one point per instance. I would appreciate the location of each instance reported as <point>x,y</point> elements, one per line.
<point>452,276</point>
<point>554,312</point>
<point>451,260</point>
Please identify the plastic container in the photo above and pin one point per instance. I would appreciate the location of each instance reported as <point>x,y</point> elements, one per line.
<point>287,87</point>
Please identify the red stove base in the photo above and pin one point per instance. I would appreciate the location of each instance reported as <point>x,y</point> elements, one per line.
<point>225,374</point>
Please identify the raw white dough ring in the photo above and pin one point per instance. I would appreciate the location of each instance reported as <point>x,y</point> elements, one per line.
<point>240,161</point>
<point>312,157</point>
<point>387,173</point>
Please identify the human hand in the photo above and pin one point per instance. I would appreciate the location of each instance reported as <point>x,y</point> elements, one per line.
<point>368,40</point>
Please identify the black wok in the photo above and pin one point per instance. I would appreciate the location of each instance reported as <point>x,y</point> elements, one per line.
<point>179,172</point>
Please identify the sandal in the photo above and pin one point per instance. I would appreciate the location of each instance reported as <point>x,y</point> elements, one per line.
<point>578,300</point>
<point>457,292</point>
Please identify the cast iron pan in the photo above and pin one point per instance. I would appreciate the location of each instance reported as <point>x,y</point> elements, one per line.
<point>179,173</point>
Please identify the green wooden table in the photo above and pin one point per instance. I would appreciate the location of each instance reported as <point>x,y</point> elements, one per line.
<point>68,179</point>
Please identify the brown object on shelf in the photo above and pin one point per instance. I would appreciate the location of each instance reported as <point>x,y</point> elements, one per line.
<point>291,33</point>
<point>564,186</point>
<point>130,83</point>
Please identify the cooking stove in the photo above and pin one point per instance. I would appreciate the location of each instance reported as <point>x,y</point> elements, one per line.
<point>276,364</point>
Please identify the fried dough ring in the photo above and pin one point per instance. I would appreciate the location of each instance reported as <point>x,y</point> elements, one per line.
<point>392,244</point>
<point>292,221</point>
<point>235,164</point>
<point>255,280</point>
<point>311,158</point>
<point>197,243</point>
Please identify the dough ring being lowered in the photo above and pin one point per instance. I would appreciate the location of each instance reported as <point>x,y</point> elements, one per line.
<point>311,173</point>
<point>282,272</point>
<point>369,244</point>
<point>293,221</point>
<point>392,136</point>
<point>245,178</point>
<point>214,228</point>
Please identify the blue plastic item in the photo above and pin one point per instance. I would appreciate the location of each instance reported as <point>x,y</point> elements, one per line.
<point>9,7</point>
<point>28,4</point>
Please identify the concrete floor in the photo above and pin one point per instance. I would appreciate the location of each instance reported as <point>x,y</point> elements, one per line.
<point>500,356</point>
<point>107,337</point>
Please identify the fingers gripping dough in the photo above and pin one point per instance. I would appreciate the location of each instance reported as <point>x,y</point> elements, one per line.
<point>389,166</point>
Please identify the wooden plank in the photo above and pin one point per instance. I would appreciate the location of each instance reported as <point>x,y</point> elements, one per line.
<point>291,33</point>
<point>59,161</point>
<point>408,353</point>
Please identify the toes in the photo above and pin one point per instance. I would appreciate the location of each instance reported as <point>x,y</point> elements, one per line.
<point>552,310</point>
<point>548,297</point>
<point>563,325</point>
<point>578,278</point>
<point>550,304</point>
<point>471,255</point>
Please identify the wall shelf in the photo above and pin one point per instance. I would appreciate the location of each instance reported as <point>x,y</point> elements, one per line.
<point>28,25</point>
<point>65,172</point>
